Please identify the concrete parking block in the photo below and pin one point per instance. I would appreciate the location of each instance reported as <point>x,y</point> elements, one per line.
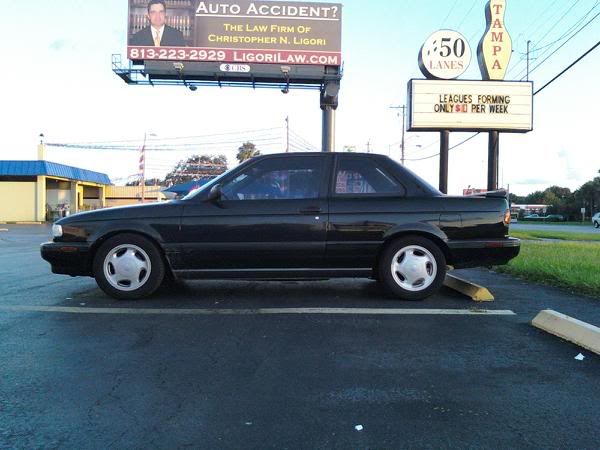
<point>570,329</point>
<point>473,291</point>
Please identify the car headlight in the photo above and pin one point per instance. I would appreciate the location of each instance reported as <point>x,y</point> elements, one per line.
<point>57,231</point>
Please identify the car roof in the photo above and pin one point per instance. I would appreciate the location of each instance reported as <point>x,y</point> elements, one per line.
<point>327,154</point>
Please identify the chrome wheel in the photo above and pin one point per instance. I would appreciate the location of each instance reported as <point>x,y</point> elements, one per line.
<point>127,267</point>
<point>414,268</point>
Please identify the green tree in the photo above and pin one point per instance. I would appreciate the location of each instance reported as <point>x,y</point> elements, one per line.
<point>246,151</point>
<point>196,167</point>
<point>588,196</point>
<point>147,182</point>
<point>535,198</point>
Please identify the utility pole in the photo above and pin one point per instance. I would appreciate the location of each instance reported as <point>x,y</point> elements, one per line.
<point>528,44</point>
<point>403,108</point>
<point>142,168</point>
<point>287,126</point>
<point>369,146</point>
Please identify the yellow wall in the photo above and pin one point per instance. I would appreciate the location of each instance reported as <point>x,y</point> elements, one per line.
<point>18,202</point>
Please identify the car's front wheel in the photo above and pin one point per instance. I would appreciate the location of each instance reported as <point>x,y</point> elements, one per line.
<point>597,224</point>
<point>412,267</point>
<point>128,266</point>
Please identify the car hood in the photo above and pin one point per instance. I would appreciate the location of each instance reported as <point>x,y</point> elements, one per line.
<point>145,211</point>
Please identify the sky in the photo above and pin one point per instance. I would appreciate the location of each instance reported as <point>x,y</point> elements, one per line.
<point>57,80</point>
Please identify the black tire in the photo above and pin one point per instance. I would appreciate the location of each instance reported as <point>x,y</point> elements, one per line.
<point>134,270</point>
<point>597,224</point>
<point>418,281</point>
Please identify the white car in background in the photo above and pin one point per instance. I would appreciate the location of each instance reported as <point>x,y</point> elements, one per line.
<point>596,220</point>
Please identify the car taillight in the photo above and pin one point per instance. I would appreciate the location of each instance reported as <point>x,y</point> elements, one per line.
<point>507,217</point>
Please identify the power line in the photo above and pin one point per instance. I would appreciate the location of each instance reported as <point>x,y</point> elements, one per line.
<point>449,12</point>
<point>157,139</point>
<point>162,147</point>
<point>565,34</point>
<point>451,148</point>
<point>550,29</point>
<point>564,43</point>
<point>517,68</point>
<point>467,15</point>
<point>567,69</point>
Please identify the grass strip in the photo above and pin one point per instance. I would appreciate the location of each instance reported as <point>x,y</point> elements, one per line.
<point>559,235</point>
<point>571,265</point>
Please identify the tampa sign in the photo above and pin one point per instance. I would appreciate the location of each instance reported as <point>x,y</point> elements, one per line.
<point>495,48</point>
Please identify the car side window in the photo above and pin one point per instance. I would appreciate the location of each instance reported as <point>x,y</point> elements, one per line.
<point>277,179</point>
<point>362,176</point>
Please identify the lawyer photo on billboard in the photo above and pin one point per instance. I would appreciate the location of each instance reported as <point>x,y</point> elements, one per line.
<point>270,32</point>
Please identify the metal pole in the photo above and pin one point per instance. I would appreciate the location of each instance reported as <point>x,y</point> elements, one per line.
<point>328,144</point>
<point>143,161</point>
<point>403,130</point>
<point>444,149</point>
<point>493,153</point>
<point>287,126</point>
<point>528,43</point>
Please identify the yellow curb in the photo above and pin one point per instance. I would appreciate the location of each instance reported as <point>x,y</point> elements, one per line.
<point>473,291</point>
<point>22,223</point>
<point>570,329</point>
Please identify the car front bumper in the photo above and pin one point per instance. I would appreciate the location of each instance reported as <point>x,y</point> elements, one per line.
<point>68,258</point>
<point>488,252</point>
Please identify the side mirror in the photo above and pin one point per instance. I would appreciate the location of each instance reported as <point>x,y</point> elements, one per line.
<point>215,193</point>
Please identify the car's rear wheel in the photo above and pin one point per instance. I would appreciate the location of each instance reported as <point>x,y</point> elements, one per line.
<point>128,266</point>
<point>412,267</point>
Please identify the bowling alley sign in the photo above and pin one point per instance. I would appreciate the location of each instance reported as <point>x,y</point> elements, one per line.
<point>441,102</point>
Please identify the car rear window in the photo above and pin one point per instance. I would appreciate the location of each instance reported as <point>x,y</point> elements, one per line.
<point>362,176</point>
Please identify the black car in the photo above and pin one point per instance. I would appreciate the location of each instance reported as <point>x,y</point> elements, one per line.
<point>290,216</point>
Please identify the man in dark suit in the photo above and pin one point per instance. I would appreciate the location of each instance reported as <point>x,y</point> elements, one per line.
<point>158,34</point>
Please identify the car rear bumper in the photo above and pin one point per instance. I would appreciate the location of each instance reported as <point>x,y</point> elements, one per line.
<point>488,252</point>
<point>68,258</point>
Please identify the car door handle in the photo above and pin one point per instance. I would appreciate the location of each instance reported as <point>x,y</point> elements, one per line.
<point>311,210</point>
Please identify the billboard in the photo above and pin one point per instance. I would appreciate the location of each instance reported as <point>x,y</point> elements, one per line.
<point>235,32</point>
<point>454,105</point>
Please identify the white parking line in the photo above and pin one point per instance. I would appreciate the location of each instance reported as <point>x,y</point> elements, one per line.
<point>261,311</point>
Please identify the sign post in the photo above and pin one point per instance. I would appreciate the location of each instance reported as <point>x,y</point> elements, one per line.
<point>445,55</point>
<point>275,44</point>
<point>494,52</point>
<point>442,103</point>
<point>444,150</point>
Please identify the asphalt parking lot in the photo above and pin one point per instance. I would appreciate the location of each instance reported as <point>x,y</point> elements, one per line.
<point>328,364</point>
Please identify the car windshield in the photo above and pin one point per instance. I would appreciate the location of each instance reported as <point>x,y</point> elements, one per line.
<point>208,186</point>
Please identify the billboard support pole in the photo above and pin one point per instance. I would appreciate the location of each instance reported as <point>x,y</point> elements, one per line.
<point>328,144</point>
<point>493,155</point>
<point>444,149</point>
<point>329,103</point>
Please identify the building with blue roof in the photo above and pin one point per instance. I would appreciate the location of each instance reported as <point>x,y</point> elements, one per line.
<point>38,191</point>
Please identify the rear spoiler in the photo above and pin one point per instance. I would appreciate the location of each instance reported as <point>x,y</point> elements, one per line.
<point>492,194</point>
